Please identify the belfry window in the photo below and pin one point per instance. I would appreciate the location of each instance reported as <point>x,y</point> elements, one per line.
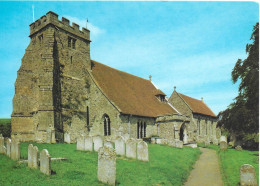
<point>40,37</point>
<point>107,130</point>
<point>71,42</point>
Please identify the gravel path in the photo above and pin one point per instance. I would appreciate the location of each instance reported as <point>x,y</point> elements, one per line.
<point>206,171</point>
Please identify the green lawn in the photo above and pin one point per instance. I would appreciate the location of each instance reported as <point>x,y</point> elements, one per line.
<point>167,166</point>
<point>231,161</point>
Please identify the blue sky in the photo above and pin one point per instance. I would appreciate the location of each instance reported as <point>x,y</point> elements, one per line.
<point>191,45</point>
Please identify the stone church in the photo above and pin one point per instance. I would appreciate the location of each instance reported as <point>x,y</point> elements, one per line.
<point>60,90</point>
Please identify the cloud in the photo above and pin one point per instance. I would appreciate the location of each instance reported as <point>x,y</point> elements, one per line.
<point>94,30</point>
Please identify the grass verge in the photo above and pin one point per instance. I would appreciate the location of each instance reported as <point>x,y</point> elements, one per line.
<point>167,166</point>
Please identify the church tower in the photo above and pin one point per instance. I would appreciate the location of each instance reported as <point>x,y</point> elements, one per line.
<point>51,88</point>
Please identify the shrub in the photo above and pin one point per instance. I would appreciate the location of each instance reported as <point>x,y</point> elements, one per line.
<point>5,127</point>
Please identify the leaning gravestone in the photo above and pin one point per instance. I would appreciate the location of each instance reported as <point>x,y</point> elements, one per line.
<point>2,145</point>
<point>81,143</point>
<point>107,165</point>
<point>179,144</point>
<point>120,145</point>
<point>223,143</point>
<point>131,148</point>
<point>88,143</point>
<point>67,137</point>
<point>142,151</point>
<point>8,147</point>
<point>15,149</point>
<point>98,142</point>
<point>30,155</point>
<point>108,144</point>
<point>247,175</point>
<point>45,162</point>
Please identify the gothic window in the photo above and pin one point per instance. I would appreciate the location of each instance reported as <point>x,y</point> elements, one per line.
<point>141,132</point>
<point>71,42</point>
<point>40,38</point>
<point>144,129</point>
<point>138,136</point>
<point>107,130</point>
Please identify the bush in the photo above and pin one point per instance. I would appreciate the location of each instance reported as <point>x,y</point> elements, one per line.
<point>5,127</point>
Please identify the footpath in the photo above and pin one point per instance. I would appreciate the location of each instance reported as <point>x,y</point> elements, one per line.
<point>206,171</point>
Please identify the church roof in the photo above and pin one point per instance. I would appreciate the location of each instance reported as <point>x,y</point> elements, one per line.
<point>131,94</point>
<point>197,106</point>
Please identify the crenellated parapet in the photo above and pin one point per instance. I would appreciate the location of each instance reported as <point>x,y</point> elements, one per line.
<point>64,24</point>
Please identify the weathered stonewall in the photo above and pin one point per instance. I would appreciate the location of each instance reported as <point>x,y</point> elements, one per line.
<point>142,151</point>
<point>131,148</point>
<point>98,142</point>
<point>108,144</point>
<point>45,162</point>
<point>2,145</point>
<point>88,143</point>
<point>179,144</point>
<point>247,175</point>
<point>67,137</point>
<point>107,165</point>
<point>81,143</point>
<point>239,148</point>
<point>171,143</point>
<point>15,149</point>
<point>8,147</point>
<point>164,141</point>
<point>120,145</point>
<point>158,141</point>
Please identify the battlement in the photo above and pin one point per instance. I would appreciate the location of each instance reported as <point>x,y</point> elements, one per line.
<point>64,24</point>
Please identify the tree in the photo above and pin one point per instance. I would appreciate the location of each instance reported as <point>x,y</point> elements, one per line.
<point>242,116</point>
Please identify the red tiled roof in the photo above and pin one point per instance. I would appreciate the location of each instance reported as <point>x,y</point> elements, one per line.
<point>197,106</point>
<point>131,94</point>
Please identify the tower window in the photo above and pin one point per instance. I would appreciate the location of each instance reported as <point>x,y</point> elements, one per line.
<point>71,42</point>
<point>70,59</point>
<point>40,37</point>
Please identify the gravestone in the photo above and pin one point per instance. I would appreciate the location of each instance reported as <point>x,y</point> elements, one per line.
<point>48,135</point>
<point>131,148</point>
<point>2,145</point>
<point>215,141</point>
<point>153,140</point>
<point>107,165</point>
<point>88,143</point>
<point>8,147</point>
<point>247,175</point>
<point>81,143</point>
<point>98,142</point>
<point>179,144</point>
<point>172,143</point>
<point>120,145</point>
<point>142,151</point>
<point>158,141</point>
<point>223,143</point>
<point>33,156</point>
<point>239,148</point>
<point>67,137</point>
<point>45,162</point>
<point>108,144</point>
<point>15,149</point>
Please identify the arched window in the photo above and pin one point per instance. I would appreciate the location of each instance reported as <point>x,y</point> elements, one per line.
<point>141,132</point>
<point>107,130</point>
<point>138,127</point>
<point>144,129</point>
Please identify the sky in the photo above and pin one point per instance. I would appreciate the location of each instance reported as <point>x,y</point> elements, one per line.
<point>191,45</point>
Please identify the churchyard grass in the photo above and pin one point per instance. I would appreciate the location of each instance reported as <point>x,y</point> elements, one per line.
<point>231,161</point>
<point>167,166</point>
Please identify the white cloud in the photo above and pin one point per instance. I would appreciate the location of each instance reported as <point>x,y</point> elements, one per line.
<point>94,30</point>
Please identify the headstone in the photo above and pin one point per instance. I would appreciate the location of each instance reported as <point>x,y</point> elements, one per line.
<point>2,145</point>
<point>158,141</point>
<point>223,138</point>
<point>15,149</point>
<point>126,136</point>
<point>67,137</point>
<point>8,147</point>
<point>120,145</point>
<point>247,175</point>
<point>81,143</point>
<point>215,141</point>
<point>107,165</point>
<point>142,151</point>
<point>239,148</point>
<point>223,145</point>
<point>153,140</point>
<point>179,144</point>
<point>33,156</point>
<point>45,162</point>
<point>172,143</point>
<point>98,142</point>
<point>48,135</point>
<point>88,143</point>
<point>109,144</point>
<point>131,148</point>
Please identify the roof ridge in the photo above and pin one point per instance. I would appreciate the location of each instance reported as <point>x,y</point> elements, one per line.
<point>119,70</point>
